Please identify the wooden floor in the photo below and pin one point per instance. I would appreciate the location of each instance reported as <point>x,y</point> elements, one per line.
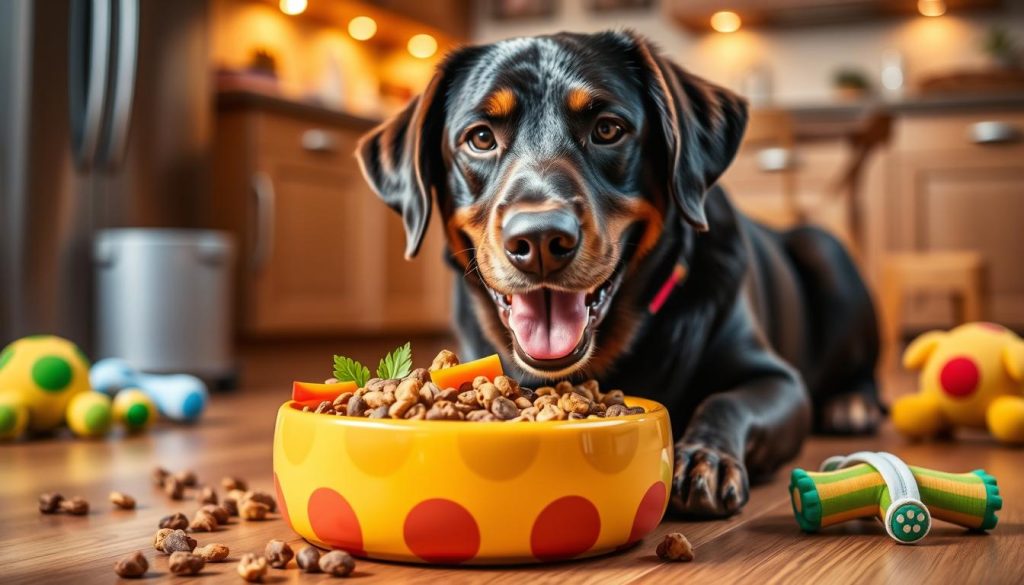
<point>761,545</point>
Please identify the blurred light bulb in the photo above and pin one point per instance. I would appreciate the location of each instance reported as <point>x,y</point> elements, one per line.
<point>726,21</point>
<point>422,46</point>
<point>931,7</point>
<point>362,28</point>
<point>293,7</point>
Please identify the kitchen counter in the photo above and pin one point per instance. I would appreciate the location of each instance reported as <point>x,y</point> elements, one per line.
<point>239,99</point>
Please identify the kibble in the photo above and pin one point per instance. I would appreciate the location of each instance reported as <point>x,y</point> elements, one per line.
<point>207,495</point>
<point>122,500</point>
<point>233,483</point>
<point>278,554</point>
<point>159,537</point>
<point>263,498</point>
<point>219,512</point>
<point>183,563</point>
<point>178,541</point>
<point>187,478</point>
<point>49,503</point>
<point>132,566</point>
<point>231,505</point>
<point>415,397</point>
<point>675,547</point>
<point>174,488</point>
<point>76,506</point>
<point>203,521</point>
<point>337,563</point>
<point>176,521</point>
<point>253,510</point>
<point>308,559</point>
<point>159,475</point>
<point>212,553</point>
<point>252,567</point>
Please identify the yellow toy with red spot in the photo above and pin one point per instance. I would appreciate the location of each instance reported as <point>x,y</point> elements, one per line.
<point>971,376</point>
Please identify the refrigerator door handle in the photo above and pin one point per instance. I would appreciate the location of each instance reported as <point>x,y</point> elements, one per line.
<point>125,66</point>
<point>263,242</point>
<point>89,63</point>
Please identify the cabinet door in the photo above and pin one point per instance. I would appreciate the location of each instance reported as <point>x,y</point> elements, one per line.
<point>417,293</point>
<point>310,268</point>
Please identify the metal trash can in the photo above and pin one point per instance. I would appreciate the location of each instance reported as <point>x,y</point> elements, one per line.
<point>163,301</point>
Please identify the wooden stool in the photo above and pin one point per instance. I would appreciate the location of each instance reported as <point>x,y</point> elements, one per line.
<point>959,274</point>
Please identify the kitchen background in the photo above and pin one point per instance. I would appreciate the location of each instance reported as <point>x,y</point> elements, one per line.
<point>897,124</point>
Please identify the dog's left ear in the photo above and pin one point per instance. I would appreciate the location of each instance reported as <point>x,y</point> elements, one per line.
<point>401,159</point>
<point>701,124</point>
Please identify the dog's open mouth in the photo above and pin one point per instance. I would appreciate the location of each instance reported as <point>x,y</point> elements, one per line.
<point>553,329</point>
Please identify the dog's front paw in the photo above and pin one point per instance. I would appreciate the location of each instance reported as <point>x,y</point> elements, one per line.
<point>708,482</point>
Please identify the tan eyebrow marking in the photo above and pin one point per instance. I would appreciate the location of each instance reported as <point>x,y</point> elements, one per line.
<point>578,99</point>
<point>500,103</point>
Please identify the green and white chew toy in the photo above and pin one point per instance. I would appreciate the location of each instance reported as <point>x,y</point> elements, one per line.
<point>903,497</point>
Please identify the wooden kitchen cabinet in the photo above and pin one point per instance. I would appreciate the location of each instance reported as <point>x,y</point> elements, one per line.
<point>960,181</point>
<point>320,254</point>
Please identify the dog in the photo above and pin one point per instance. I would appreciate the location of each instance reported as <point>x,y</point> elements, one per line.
<point>575,175</point>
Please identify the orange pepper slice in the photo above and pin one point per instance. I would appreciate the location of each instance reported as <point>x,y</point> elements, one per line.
<point>317,393</point>
<point>455,376</point>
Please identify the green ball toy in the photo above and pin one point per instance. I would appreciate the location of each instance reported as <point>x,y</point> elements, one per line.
<point>134,409</point>
<point>39,377</point>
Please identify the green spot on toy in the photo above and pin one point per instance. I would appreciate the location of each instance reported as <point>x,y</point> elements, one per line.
<point>137,415</point>
<point>6,356</point>
<point>97,418</point>
<point>903,497</point>
<point>51,373</point>
<point>8,418</point>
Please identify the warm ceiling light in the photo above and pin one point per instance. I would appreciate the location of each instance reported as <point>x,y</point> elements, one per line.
<point>422,46</point>
<point>726,21</point>
<point>293,7</point>
<point>931,7</point>
<point>362,28</point>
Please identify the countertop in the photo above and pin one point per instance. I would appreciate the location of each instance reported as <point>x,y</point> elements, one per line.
<point>241,99</point>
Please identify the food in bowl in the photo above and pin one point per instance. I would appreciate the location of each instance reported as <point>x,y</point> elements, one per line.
<point>419,490</point>
<point>476,391</point>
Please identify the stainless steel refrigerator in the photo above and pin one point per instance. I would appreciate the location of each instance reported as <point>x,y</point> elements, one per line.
<point>105,121</point>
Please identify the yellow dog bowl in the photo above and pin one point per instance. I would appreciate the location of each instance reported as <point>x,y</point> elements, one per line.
<point>465,492</point>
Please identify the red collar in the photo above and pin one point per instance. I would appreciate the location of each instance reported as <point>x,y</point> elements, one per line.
<point>665,291</point>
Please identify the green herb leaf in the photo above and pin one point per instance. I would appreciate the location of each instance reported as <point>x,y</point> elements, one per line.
<point>349,370</point>
<point>397,364</point>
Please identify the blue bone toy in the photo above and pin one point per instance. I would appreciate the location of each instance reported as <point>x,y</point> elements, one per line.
<point>179,397</point>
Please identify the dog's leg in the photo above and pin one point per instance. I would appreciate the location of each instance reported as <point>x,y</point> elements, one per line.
<point>840,374</point>
<point>756,421</point>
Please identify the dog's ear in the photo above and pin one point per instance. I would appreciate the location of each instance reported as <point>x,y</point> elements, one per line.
<point>401,159</point>
<point>701,125</point>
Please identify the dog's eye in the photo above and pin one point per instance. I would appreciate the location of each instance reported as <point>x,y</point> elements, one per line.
<point>481,139</point>
<point>607,131</point>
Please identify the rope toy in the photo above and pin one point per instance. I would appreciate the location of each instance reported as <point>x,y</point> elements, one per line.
<point>905,498</point>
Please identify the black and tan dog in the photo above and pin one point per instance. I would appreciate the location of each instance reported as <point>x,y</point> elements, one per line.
<point>575,175</point>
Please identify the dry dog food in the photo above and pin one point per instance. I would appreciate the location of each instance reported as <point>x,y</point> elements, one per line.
<point>233,483</point>
<point>122,500</point>
<point>252,567</point>
<point>675,547</point>
<point>213,552</point>
<point>207,495</point>
<point>132,566</point>
<point>183,563</point>
<point>177,541</point>
<point>308,559</point>
<point>484,396</point>
<point>337,563</point>
<point>76,506</point>
<point>176,521</point>
<point>278,553</point>
<point>203,521</point>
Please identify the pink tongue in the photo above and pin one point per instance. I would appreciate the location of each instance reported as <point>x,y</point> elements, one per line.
<point>548,331</point>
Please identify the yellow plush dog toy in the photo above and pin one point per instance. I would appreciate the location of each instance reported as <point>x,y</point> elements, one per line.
<point>971,376</point>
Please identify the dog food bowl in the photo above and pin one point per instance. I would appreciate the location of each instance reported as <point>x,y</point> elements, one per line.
<point>453,492</point>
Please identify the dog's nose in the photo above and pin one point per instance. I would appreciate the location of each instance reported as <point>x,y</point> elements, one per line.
<point>541,242</point>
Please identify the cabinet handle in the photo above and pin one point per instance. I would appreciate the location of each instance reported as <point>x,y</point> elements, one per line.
<point>263,242</point>
<point>317,140</point>
<point>994,132</point>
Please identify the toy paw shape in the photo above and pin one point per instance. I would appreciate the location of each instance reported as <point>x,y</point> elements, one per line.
<point>971,376</point>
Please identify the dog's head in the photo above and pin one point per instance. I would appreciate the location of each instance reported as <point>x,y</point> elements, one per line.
<point>556,163</point>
